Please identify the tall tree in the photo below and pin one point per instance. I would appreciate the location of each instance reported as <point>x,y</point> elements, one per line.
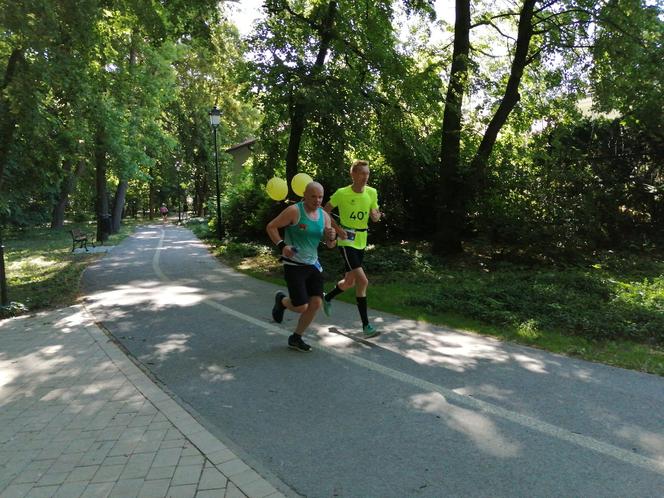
<point>298,105</point>
<point>558,26</point>
<point>317,68</point>
<point>452,189</point>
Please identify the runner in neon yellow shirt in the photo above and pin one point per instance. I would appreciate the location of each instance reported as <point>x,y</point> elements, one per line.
<point>356,203</point>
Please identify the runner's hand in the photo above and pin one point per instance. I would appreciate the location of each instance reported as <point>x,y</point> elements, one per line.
<point>330,234</point>
<point>376,215</point>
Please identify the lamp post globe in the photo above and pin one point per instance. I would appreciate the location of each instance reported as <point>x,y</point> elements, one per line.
<point>215,119</point>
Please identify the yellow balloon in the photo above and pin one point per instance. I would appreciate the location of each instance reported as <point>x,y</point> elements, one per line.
<point>277,188</point>
<point>300,182</point>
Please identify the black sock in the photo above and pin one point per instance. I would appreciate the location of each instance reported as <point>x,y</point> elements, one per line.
<point>362,308</point>
<point>333,293</point>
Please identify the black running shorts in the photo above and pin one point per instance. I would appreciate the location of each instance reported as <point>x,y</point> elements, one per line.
<point>303,281</point>
<point>352,257</point>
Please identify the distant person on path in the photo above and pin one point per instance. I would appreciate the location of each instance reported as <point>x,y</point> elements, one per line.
<point>164,211</point>
<point>305,224</point>
<point>356,203</point>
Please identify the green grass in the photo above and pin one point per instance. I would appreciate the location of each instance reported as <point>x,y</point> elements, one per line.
<point>608,310</point>
<point>41,270</point>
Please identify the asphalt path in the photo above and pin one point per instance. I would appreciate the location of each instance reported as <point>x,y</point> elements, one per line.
<point>417,411</point>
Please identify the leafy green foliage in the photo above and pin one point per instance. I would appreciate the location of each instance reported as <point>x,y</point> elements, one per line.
<point>339,98</point>
<point>592,185</point>
<point>627,74</point>
<point>571,300</point>
<point>95,75</point>
<point>247,210</point>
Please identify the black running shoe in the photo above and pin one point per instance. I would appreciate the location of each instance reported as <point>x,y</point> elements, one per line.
<point>295,342</point>
<point>278,309</point>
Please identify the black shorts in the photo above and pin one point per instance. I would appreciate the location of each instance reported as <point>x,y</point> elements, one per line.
<point>352,257</point>
<point>303,281</point>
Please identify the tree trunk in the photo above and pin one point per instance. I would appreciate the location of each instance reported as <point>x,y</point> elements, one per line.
<point>298,113</point>
<point>102,197</point>
<point>7,123</point>
<point>7,127</point>
<point>123,184</point>
<point>118,205</point>
<point>67,187</point>
<point>450,213</point>
<point>457,189</point>
<point>298,121</point>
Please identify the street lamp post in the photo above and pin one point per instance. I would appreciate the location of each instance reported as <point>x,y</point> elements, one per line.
<point>215,118</point>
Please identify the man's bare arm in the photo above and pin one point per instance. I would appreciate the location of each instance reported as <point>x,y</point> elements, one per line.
<point>337,228</point>
<point>329,232</point>
<point>287,217</point>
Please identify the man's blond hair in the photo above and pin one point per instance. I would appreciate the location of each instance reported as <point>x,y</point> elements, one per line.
<point>358,164</point>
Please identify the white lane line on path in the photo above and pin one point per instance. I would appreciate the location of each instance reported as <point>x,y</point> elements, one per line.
<point>476,404</point>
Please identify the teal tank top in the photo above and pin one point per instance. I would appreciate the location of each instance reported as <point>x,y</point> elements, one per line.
<point>305,235</point>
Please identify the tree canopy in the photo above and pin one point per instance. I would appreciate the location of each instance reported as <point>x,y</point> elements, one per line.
<point>479,129</point>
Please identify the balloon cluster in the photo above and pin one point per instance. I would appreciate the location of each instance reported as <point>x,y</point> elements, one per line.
<point>277,188</point>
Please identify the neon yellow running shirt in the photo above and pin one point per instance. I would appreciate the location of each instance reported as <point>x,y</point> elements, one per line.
<point>354,212</point>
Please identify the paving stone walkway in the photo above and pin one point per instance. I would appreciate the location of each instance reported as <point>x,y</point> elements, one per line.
<point>79,419</point>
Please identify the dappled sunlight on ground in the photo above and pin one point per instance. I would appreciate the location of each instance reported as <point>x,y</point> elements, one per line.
<point>71,322</point>
<point>478,427</point>
<point>154,294</point>
<point>51,350</point>
<point>652,442</point>
<point>36,373</point>
<point>146,233</point>
<point>217,373</point>
<point>426,345</point>
<point>175,343</point>
<point>7,375</point>
<point>333,340</point>
<point>529,363</point>
<point>44,371</point>
<point>37,365</point>
<point>579,373</point>
<point>486,390</point>
<point>74,414</point>
<point>35,262</point>
<point>431,345</point>
<point>225,295</point>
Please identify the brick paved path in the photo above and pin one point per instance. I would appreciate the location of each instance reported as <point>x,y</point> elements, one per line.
<point>79,419</point>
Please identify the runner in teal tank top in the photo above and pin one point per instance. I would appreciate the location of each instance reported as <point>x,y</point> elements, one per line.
<point>305,236</point>
<point>305,224</point>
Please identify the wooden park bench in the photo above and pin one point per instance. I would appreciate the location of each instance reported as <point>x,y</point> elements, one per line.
<point>80,238</point>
